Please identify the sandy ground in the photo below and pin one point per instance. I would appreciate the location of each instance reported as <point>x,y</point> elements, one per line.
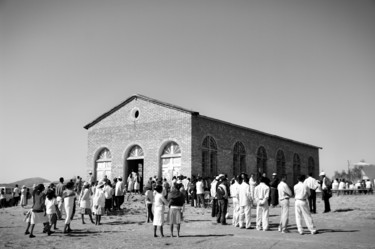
<point>350,225</point>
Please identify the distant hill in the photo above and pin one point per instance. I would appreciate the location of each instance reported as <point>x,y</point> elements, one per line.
<point>29,182</point>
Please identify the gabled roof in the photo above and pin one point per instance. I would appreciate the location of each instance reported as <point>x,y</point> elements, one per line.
<point>161,103</point>
<point>145,98</point>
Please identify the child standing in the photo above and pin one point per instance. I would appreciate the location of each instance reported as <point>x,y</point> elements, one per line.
<point>51,207</point>
<point>149,201</point>
<point>99,202</point>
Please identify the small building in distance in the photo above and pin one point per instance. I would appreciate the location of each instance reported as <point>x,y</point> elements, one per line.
<point>154,138</point>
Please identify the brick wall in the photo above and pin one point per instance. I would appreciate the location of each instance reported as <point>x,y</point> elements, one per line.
<point>155,127</point>
<point>226,135</point>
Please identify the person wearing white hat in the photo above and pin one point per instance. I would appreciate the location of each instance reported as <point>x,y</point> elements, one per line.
<point>326,191</point>
<point>99,202</point>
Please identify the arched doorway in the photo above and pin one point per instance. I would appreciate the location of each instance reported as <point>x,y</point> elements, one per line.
<point>135,164</point>
<point>103,165</point>
<point>171,161</point>
<point>209,157</point>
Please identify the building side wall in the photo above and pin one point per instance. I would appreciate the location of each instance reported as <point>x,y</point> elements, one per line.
<point>154,128</point>
<point>227,135</point>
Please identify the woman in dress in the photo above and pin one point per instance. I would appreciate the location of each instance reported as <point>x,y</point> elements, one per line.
<point>23,196</point>
<point>159,207</point>
<point>176,207</point>
<point>85,203</point>
<point>99,202</point>
<point>69,197</point>
<point>130,183</point>
<point>38,212</point>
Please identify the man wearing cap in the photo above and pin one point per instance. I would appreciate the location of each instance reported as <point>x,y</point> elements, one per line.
<point>274,198</point>
<point>312,184</point>
<point>326,190</point>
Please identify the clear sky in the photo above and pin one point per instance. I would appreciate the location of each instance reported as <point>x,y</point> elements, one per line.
<point>300,69</point>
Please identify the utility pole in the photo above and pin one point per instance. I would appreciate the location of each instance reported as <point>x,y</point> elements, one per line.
<point>350,177</point>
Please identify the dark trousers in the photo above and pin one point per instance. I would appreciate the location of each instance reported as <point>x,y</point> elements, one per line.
<point>214,208</point>
<point>222,211</point>
<point>312,201</point>
<point>118,201</point>
<point>108,204</point>
<point>327,207</point>
<point>200,200</point>
<point>150,215</point>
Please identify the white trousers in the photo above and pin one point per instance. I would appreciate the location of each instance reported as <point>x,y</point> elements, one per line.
<point>236,212</point>
<point>284,217</point>
<point>245,216</point>
<point>302,209</point>
<point>262,216</point>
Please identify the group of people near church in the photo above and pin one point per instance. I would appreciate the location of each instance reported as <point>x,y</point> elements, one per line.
<point>91,198</point>
<point>346,187</point>
<point>102,197</point>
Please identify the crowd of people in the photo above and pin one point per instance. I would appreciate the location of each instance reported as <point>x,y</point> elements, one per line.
<point>346,187</point>
<point>97,198</point>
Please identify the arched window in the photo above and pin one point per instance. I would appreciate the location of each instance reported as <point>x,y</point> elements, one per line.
<point>261,160</point>
<point>209,157</point>
<point>296,168</point>
<point>280,164</point>
<point>239,156</point>
<point>311,166</point>
<point>103,164</point>
<point>135,153</point>
<point>171,161</point>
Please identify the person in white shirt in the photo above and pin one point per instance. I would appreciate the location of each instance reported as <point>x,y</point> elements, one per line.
<point>312,184</point>
<point>284,194</point>
<point>301,194</point>
<point>200,193</point>
<point>244,202</point>
<point>119,193</point>
<point>261,194</point>
<point>213,195</point>
<point>342,186</point>
<point>236,208</point>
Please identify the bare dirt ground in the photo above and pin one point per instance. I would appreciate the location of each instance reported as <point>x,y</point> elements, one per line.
<point>351,224</point>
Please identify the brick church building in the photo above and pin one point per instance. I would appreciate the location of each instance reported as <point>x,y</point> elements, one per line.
<point>152,137</point>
